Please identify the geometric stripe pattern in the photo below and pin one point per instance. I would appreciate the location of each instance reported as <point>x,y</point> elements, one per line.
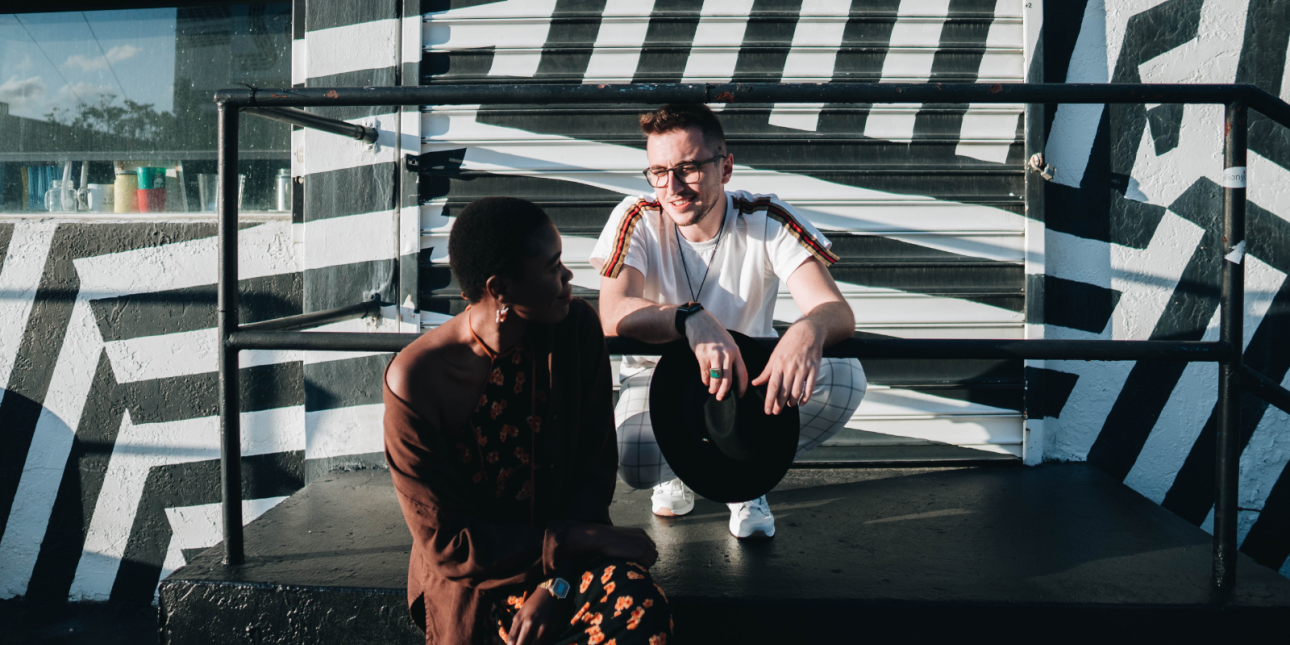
<point>1133,221</point>
<point>109,405</point>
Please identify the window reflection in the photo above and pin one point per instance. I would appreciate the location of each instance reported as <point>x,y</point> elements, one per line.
<point>99,105</point>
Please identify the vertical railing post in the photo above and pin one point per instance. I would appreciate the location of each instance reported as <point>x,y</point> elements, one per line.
<point>229,404</point>
<point>1231,318</point>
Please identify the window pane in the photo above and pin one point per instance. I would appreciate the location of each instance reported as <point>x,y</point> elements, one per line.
<point>90,97</point>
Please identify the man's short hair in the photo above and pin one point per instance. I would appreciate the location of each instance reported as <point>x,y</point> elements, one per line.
<point>492,236</point>
<point>682,116</point>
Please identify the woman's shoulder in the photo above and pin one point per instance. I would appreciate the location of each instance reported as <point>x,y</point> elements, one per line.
<point>423,362</point>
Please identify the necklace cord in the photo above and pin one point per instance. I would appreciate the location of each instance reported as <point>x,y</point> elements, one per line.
<point>689,283</point>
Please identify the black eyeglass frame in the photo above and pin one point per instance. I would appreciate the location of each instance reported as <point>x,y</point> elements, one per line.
<point>668,172</point>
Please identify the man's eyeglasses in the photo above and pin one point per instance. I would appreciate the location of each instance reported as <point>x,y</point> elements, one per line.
<point>686,172</point>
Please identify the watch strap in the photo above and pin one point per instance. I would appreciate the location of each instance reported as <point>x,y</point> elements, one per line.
<point>559,587</point>
<point>683,312</point>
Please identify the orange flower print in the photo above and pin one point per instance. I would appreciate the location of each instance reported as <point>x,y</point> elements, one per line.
<point>593,619</point>
<point>517,355</point>
<point>586,582</point>
<point>521,455</point>
<point>519,382</point>
<point>517,601</point>
<point>480,438</point>
<point>632,575</point>
<point>635,621</point>
<point>463,452</point>
<point>661,639</point>
<point>612,641</point>
<point>498,406</point>
<point>609,590</point>
<point>633,564</point>
<point>483,401</point>
<point>478,478</point>
<point>526,491</point>
<point>623,602</point>
<point>495,377</point>
<point>506,638</point>
<point>509,431</point>
<point>609,573</point>
<point>493,457</point>
<point>585,606</point>
<point>535,423</point>
<point>660,592</point>
<point>595,636</point>
<point>649,602</point>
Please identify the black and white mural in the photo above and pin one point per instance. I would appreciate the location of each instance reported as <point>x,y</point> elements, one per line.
<point>1133,219</point>
<point>107,351</point>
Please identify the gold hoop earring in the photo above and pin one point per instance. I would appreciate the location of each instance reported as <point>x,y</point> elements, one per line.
<point>501,314</point>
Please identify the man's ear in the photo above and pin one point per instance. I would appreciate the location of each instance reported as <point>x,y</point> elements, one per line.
<point>498,287</point>
<point>727,168</point>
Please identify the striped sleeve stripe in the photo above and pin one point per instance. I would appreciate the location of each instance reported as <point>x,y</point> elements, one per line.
<point>796,229</point>
<point>623,240</point>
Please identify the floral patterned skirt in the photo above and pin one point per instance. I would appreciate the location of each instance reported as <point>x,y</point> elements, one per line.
<point>614,603</point>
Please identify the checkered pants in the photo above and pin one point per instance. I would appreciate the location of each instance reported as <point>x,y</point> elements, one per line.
<point>839,387</point>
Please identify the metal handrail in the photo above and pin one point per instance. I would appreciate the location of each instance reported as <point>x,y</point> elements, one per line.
<point>1237,99</point>
<point>315,318</point>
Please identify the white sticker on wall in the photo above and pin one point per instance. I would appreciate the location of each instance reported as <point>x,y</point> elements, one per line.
<point>1234,177</point>
<point>1237,254</point>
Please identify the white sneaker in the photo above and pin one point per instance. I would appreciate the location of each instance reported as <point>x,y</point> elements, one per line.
<point>752,519</point>
<point>672,498</point>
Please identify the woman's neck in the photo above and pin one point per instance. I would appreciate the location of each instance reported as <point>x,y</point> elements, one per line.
<point>499,338</point>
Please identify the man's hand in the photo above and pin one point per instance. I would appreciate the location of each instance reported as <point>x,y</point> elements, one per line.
<point>630,544</point>
<point>715,348</point>
<point>790,374</point>
<point>536,620</point>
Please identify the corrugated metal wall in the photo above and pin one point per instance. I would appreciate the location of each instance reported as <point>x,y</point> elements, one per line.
<point>924,203</point>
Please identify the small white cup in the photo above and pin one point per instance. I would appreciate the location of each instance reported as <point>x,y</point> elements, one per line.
<point>98,197</point>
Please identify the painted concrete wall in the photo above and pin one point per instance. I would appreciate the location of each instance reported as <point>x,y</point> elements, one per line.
<point>1131,252</point>
<point>110,469</point>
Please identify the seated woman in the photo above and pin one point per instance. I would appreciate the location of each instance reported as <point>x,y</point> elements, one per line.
<point>499,433</point>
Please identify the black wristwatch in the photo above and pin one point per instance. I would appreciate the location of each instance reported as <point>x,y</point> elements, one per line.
<point>685,311</point>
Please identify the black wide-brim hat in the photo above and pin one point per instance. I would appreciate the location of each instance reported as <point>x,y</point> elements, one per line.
<point>727,451</point>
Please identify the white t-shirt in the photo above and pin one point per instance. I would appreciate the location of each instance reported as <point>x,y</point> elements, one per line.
<point>762,241</point>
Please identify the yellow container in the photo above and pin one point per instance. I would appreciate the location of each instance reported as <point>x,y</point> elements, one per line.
<point>125,193</point>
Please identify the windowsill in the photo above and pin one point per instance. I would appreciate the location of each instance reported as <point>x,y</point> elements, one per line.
<point>196,216</point>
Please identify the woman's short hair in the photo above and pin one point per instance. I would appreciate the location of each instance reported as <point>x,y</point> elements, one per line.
<point>492,236</point>
<point>682,116</point>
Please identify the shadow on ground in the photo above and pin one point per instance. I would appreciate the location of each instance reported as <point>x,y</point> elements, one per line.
<point>78,623</point>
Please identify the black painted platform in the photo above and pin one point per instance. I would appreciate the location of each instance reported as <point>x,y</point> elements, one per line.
<point>1054,553</point>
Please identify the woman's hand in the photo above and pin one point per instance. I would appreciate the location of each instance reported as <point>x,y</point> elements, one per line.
<point>535,620</point>
<point>634,545</point>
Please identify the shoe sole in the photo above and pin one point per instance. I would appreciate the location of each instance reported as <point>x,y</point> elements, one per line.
<point>757,535</point>
<point>667,512</point>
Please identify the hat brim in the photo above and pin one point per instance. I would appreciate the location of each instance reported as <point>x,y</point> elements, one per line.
<point>677,397</point>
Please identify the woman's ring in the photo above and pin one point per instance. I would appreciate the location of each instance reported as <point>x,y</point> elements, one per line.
<point>714,373</point>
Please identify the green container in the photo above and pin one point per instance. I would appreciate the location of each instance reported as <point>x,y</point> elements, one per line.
<point>151,177</point>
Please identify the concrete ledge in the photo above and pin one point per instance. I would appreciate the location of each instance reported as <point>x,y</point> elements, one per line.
<point>1060,552</point>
